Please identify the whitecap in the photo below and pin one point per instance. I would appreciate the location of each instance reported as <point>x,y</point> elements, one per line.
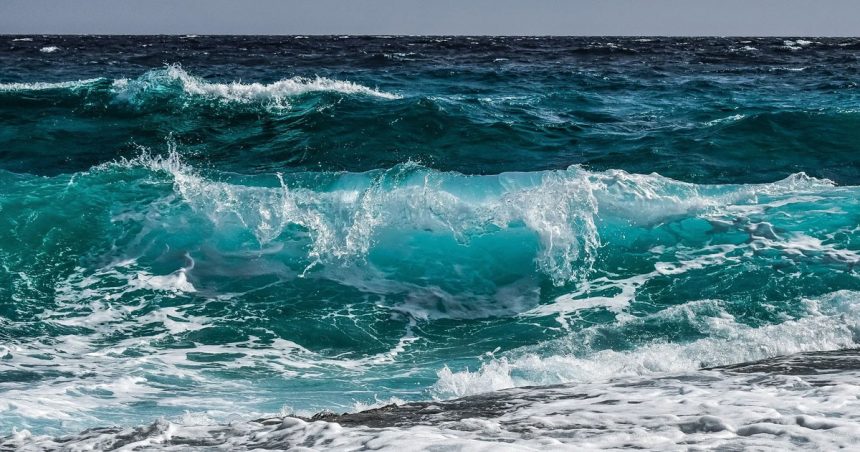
<point>39,86</point>
<point>276,93</point>
<point>728,119</point>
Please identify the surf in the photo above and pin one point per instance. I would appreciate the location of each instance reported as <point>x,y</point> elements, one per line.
<point>243,245</point>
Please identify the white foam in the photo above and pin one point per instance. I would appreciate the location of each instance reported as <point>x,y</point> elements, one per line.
<point>832,323</point>
<point>362,406</point>
<point>98,381</point>
<point>174,282</point>
<point>793,45</point>
<point>746,48</point>
<point>49,49</point>
<point>39,86</point>
<point>728,119</point>
<point>701,410</point>
<point>789,69</point>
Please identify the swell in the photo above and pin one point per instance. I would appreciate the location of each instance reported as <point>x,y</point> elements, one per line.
<point>323,124</point>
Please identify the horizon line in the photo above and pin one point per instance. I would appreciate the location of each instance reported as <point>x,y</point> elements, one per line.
<point>383,35</point>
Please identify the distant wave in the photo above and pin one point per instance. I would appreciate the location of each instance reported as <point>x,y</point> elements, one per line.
<point>277,92</point>
<point>175,81</point>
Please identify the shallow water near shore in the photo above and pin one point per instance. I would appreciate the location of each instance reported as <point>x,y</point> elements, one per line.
<point>211,231</point>
<point>801,401</point>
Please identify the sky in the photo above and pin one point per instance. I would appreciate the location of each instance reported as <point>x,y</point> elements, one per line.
<point>439,17</point>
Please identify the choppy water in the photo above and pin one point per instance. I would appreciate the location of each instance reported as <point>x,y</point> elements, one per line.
<point>216,229</point>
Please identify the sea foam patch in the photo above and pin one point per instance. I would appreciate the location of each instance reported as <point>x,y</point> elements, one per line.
<point>765,409</point>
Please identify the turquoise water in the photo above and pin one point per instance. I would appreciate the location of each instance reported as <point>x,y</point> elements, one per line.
<point>302,226</point>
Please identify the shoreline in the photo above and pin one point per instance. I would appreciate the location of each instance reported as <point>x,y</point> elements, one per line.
<point>526,417</point>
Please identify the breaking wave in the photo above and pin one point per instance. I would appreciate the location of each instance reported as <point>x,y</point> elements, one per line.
<point>172,80</point>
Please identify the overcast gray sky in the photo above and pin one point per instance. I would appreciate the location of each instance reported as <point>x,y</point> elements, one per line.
<point>475,17</point>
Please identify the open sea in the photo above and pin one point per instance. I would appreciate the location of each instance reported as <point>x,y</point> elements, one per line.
<point>491,243</point>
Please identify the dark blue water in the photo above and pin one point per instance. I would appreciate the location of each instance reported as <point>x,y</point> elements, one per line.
<point>242,226</point>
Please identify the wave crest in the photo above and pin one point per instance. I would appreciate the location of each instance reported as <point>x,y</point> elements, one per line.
<point>275,93</point>
<point>44,86</point>
<point>346,215</point>
<point>173,80</point>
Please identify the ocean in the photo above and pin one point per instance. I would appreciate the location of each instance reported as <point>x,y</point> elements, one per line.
<point>518,243</point>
